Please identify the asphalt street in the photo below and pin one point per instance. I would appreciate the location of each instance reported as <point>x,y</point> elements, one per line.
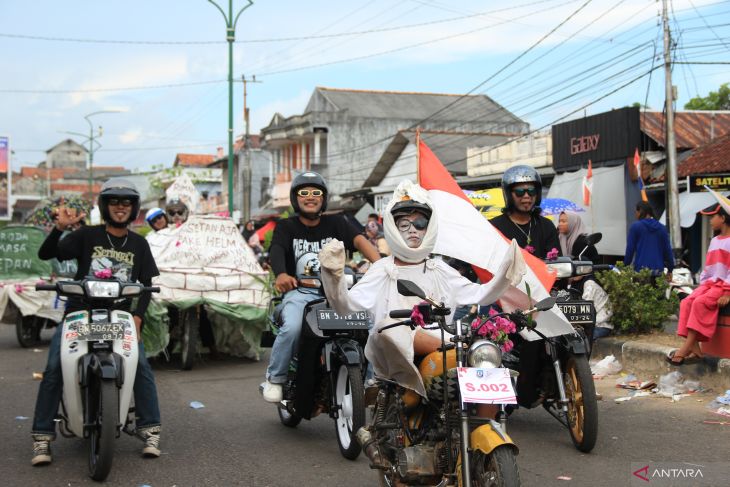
<point>236,439</point>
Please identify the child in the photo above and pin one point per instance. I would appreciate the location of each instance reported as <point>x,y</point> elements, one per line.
<point>698,312</point>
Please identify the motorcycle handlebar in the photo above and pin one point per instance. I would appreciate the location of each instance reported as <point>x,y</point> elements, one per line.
<point>400,323</point>
<point>401,313</point>
<point>602,267</point>
<point>45,287</point>
<point>152,289</point>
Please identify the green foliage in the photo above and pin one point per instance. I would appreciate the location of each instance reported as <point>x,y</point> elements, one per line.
<point>639,305</point>
<point>143,230</point>
<point>715,100</point>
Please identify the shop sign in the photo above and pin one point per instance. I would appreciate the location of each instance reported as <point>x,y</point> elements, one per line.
<point>716,182</point>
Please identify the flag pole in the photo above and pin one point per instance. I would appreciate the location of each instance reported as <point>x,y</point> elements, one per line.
<point>418,155</point>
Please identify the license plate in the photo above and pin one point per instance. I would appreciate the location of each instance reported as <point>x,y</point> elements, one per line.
<point>328,319</point>
<point>579,312</point>
<point>101,331</point>
<point>486,386</point>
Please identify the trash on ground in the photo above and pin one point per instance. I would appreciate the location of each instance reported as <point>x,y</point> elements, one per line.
<point>724,423</point>
<point>632,382</point>
<point>719,408</point>
<point>37,375</point>
<point>21,418</point>
<point>606,366</point>
<point>622,399</point>
<point>673,384</point>
<point>724,399</point>
<point>564,477</point>
<point>36,350</point>
<point>197,405</point>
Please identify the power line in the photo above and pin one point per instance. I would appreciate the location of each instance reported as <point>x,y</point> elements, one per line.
<point>109,90</point>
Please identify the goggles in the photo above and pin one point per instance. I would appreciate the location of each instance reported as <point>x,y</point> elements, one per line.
<point>176,212</point>
<point>310,192</point>
<point>404,224</point>
<point>120,202</point>
<point>520,192</point>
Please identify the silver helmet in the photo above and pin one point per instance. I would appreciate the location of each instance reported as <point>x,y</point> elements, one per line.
<point>520,174</point>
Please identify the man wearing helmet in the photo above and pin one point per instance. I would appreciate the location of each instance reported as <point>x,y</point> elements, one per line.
<point>294,246</point>
<point>127,255</point>
<point>520,219</point>
<point>177,212</point>
<point>156,219</point>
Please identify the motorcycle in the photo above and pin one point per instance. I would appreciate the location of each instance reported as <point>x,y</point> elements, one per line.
<point>98,364</point>
<point>327,373</point>
<point>442,439</point>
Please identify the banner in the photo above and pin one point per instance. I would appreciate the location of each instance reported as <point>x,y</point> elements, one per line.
<point>19,253</point>
<point>5,182</point>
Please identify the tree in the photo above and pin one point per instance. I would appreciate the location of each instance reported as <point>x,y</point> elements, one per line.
<point>716,100</point>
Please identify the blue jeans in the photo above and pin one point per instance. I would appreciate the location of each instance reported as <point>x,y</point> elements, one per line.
<point>292,314</point>
<point>146,404</point>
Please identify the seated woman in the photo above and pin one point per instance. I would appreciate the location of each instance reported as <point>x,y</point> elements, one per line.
<point>411,227</point>
<point>699,311</point>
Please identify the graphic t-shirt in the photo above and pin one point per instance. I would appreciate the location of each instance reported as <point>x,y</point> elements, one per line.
<point>129,258</point>
<point>300,244</point>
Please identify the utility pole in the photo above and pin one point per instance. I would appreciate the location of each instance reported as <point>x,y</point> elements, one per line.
<point>230,37</point>
<point>672,188</point>
<point>247,172</point>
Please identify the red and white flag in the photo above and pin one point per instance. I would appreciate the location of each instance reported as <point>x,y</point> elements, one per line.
<point>465,234</point>
<point>588,185</point>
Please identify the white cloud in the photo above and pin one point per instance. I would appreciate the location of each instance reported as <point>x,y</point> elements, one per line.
<point>130,136</point>
<point>290,106</point>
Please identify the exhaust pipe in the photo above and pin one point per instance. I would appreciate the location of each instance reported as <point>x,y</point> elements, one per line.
<point>369,446</point>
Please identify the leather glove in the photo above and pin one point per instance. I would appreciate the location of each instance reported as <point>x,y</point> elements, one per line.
<point>332,257</point>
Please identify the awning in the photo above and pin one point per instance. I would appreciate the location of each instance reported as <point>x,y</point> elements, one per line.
<point>689,205</point>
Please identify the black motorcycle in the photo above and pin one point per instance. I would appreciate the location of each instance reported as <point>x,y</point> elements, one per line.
<point>327,373</point>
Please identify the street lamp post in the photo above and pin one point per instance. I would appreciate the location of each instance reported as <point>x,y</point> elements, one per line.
<point>92,149</point>
<point>230,37</point>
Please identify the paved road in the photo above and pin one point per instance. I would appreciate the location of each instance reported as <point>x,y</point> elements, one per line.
<point>237,439</point>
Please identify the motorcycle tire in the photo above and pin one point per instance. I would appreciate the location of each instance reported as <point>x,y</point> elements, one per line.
<point>189,337</point>
<point>289,419</point>
<point>28,330</point>
<point>582,403</point>
<point>350,398</point>
<point>104,431</point>
<point>497,469</point>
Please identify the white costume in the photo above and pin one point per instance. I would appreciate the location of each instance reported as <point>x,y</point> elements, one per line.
<point>391,352</point>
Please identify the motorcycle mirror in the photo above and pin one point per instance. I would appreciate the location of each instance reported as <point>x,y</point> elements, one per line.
<point>409,288</point>
<point>545,304</point>
<point>594,238</point>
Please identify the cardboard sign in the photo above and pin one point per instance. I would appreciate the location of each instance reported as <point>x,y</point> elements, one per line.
<point>19,253</point>
<point>486,386</point>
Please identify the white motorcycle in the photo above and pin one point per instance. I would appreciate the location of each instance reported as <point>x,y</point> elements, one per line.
<point>98,362</point>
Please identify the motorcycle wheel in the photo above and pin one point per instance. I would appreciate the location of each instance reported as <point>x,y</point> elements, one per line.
<point>288,419</point>
<point>350,397</point>
<point>189,337</point>
<point>28,330</point>
<point>497,469</point>
<point>582,403</point>
<point>104,431</point>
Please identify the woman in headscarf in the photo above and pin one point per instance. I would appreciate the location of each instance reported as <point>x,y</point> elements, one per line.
<point>411,226</point>
<point>572,236</point>
<point>372,233</point>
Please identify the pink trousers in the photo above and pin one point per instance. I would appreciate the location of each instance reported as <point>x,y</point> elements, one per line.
<point>699,311</point>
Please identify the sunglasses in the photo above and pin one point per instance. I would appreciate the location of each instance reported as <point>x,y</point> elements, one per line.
<point>520,192</point>
<point>120,202</point>
<point>161,215</point>
<point>404,224</point>
<point>310,192</point>
<point>176,212</point>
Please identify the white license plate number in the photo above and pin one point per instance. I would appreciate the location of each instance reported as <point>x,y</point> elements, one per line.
<point>100,331</point>
<point>486,386</point>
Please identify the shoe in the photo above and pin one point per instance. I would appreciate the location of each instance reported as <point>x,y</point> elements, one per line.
<point>272,392</point>
<point>41,450</point>
<point>151,438</point>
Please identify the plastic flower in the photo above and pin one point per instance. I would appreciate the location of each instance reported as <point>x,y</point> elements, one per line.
<point>553,254</point>
<point>417,317</point>
<point>103,274</point>
<point>495,328</point>
<point>530,249</point>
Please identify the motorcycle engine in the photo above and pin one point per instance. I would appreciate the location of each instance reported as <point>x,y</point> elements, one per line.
<point>419,464</point>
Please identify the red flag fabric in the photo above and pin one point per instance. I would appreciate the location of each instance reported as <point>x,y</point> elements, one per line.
<point>588,185</point>
<point>465,234</point>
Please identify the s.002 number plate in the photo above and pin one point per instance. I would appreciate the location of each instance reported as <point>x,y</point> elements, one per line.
<point>101,331</point>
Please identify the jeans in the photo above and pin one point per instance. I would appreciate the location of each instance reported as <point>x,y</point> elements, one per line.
<point>292,314</point>
<point>146,404</point>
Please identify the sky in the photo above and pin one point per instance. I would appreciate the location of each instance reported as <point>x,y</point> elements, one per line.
<point>160,67</point>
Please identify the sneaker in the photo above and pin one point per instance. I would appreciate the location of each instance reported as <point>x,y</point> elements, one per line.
<point>272,392</point>
<point>151,438</point>
<point>41,451</point>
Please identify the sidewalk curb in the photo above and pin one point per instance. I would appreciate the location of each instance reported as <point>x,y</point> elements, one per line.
<point>645,358</point>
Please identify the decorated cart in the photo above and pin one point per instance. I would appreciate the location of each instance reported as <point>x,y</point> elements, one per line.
<point>208,277</point>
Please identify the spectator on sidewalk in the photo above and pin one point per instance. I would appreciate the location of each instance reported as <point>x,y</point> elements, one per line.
<point>699,311</point>
<point>375,236</point>
<point>648,244</point>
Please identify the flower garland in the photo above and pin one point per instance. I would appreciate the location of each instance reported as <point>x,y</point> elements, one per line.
<point>496,329</point>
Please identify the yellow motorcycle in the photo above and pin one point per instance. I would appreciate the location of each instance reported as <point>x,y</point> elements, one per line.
<point>456,434</point>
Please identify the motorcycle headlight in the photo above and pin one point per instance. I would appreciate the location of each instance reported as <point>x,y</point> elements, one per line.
<point>561,269</point>
<point>102,289</point>
<point>484,354</point>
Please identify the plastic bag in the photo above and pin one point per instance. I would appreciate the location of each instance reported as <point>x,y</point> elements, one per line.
<point>671,384</point>
<point>606,366</point>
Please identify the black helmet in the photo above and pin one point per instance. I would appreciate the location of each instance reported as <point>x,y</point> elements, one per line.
<point>179,206</point>
<point>118,188</point>
<point>520,174</point>
<point>408,206</point>
<point>308,178</point>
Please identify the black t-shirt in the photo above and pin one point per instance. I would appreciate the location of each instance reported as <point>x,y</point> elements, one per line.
<point>543,234</point>
<point>296,245</point>
<point>129,258</point>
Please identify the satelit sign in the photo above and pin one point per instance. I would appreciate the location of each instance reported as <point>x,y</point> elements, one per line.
<point>716,182</point>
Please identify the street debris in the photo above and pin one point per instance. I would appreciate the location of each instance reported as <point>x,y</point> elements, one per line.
<point>724,399</point>
<point>564,477</point>
<point>21,418</point>
<point>606,366</point>
<point>197,405</point>
<point>37,375</point>
<point>632,382</point>
<point>36,350</point>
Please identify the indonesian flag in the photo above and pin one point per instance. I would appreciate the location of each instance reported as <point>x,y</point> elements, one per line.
<point>466,235</point>
<point>637,162</point>
<point>724,202</point>
<point>588,185</point>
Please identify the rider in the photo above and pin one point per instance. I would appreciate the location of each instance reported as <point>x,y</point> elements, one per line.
<point>295,243</point>
<point>177,211</point>
<point>156,218</point>
<point>521,219</point>
<point>411,226</point>
<point>111,246</point>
